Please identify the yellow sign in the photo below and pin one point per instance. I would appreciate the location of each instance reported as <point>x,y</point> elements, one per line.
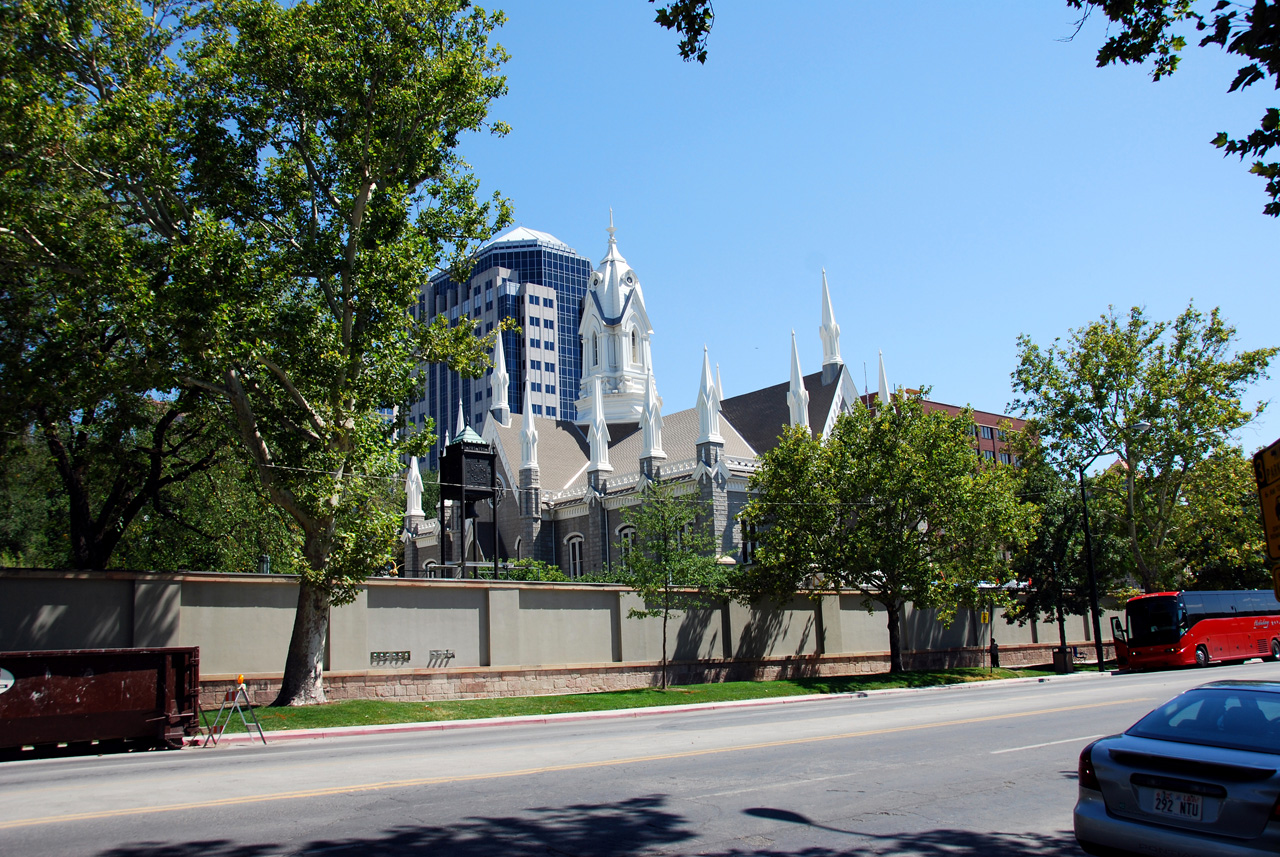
<point>986,617</point>
<point>1266,467</point>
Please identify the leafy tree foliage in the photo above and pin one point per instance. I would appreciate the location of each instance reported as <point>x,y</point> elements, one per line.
<point>894,504</point>
<point>1157,30</point>
<point>671,562</point>
<point>293,172</point>
<point>1163,396</point>
<point>693,19</point>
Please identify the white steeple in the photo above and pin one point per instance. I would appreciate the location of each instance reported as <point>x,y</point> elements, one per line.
<point>708,405</point>
<point>719,387</point>
<point>652,423</point>
<point>528,434</point>
<point>797,395</point>
<point>829,331</point>
<point>413,490</point>
<point>462,420</point>
<point>500,384</point>
<point>598,437</point>
<point>614,331</point>
<point>884,382</point>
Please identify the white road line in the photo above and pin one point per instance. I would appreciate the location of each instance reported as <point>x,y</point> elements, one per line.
<point>1045,744</point>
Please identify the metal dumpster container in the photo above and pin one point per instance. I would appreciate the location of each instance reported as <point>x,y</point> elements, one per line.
<point>150,695</point>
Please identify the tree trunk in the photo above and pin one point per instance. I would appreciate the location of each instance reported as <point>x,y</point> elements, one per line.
<point>895,642</point>
<point>303,682</point>
<point>1062,627</point>
<point>665,612</point>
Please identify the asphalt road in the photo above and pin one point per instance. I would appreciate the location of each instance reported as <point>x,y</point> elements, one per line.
<point>977,771</point>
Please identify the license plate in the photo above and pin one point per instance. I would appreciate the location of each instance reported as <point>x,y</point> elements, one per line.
<point>1177,804</point>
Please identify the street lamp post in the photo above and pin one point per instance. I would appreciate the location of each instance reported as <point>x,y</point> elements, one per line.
<point>1140,428</point>
<point>1093,574</point>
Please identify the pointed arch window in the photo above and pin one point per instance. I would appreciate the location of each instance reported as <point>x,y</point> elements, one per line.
<point>635,346</point>
<point>595,350</point>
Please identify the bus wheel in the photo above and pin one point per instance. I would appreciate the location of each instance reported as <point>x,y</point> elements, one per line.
<point>1275,650</point>
<point>1202,656</point>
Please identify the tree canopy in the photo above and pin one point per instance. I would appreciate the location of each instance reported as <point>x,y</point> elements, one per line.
<point>1161,396</point>
<point>291,170</point>
<point>895,503</point>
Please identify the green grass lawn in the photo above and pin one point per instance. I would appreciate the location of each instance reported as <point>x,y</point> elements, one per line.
<point>368,712</point>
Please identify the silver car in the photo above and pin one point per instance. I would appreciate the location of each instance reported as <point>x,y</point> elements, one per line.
<point>1199,776</point>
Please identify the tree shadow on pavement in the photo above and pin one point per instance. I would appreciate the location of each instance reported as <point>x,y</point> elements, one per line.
<point>638,826</point>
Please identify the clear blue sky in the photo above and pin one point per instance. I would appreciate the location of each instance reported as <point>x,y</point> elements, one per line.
<point>963,175</point>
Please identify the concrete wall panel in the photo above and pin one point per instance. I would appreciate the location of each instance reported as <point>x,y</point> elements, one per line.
<point>51,613</point>
<point>564,626</point>
<point>240,626</point>
<point>423,618</point>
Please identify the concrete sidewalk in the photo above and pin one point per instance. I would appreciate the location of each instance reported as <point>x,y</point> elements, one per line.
<point>242,738</point>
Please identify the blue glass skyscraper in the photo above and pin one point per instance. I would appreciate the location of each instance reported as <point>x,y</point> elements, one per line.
<point>525,275</point>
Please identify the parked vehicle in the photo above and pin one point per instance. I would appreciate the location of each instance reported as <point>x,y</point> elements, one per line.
<point>1198,776</point>
<point>1168,629</point>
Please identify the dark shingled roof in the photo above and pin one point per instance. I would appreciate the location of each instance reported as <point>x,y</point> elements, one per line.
<point>760,416</point>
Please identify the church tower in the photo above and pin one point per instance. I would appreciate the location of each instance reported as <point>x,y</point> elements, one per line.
<point>614,332</point>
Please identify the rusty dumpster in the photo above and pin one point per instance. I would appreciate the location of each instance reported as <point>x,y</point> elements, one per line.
<point>105,695</point>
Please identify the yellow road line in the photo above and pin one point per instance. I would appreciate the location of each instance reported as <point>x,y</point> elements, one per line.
<point>524,772</point>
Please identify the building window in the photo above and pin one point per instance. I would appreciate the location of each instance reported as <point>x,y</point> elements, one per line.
<point>573,546</point>
<point>551,388</point>
<point>535,387</point>
<point>595,350</point>
<point>551,412</point>
<point>989,454</point>
<point>988,433</point>
<point>533,300</point>
<point>626,540</point>
<point>534,321</point>
<point>549,324</point>
<point>535,343</point>
<point>534,364</point>
<point>537,409</point>
<point>1005,459</point>
<point>1000,433</point>
<point>750,542</point>
<point>550,367</point>
<point>635,346</point>
<point>548,302</point>
<point>549,345</point>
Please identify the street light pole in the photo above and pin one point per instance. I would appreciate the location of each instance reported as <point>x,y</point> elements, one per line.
<point>1093,575</point>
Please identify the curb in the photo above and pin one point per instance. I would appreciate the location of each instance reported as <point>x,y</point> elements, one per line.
<point>245,738</point>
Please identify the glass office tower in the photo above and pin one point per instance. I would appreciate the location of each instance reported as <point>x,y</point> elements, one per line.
<point>525,275</point>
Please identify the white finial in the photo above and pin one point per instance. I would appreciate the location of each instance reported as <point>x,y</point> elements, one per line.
<point>598,435</point>
<point>719,387</point>
<point>884,382</point>
<point>797,395</point>
<point>528,433</point>
<point>708,405</point>
<point>829,331</point>
<point>462,420</point>
<point>501,384</point>
<point>611,230</point>
<point>652,424</point>
<point>413,490</point>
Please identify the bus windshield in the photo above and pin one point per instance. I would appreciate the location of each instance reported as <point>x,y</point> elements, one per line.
<point>1154,621</point>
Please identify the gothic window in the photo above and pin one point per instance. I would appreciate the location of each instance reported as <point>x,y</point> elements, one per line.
<point>626,540</point>
<point>635,346</point>
<point>518,546</point>
<point>749,543</point>
<point>595,350</point>
<point>573,546</point>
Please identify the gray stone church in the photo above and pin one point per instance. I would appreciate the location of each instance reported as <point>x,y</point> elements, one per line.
<point>561,486</point>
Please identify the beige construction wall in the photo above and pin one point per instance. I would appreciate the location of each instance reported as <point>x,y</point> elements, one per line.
<point>242,623</point>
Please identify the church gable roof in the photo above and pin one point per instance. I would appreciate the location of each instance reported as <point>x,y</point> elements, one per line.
<point>760,416</point>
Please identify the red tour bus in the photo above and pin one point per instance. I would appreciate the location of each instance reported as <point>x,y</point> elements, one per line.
<point>1170,629</point>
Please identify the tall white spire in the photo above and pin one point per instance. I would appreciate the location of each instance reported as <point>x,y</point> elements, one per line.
<point>708,405</point>
<point>413,489</point>
<point>528,434</point>
<point>501,383</point>
<point>829,331</point>
<point>719,387</point>
<point>884,382</point>
<point>598,436</point>
<point>462,420</point>
<point>652,423</point>
<point>797,395</point>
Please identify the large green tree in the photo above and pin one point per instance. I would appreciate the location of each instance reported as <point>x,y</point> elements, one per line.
<point>669,558</point>
<point>296,168</point>
<point>1162,397</point>
<point>894,504</point>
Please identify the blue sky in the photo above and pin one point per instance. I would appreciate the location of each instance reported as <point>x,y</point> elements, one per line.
<point>963,174</point>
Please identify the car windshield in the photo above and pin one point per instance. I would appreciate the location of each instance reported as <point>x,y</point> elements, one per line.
<point>1153,621</point>
<point>1237,718</point>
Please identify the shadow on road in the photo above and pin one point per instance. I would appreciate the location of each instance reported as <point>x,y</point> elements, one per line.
<point>641,825</point>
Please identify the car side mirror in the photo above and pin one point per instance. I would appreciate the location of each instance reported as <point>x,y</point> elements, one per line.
<point>1117,630</point>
